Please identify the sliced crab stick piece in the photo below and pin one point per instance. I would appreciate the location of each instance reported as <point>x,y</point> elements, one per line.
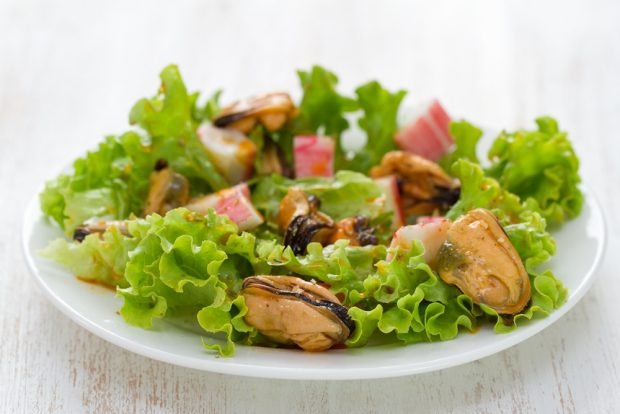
<point>389,186</point>
<point>431,234</point>
<point>233,202</point>
<point>429,134</point>
<point>314,156</point>
<point>231,152</point>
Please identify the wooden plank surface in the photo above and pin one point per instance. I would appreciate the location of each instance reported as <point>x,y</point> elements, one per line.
<point>70,70</point>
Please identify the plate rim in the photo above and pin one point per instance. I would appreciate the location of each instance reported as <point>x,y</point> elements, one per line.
<point>210,364</point>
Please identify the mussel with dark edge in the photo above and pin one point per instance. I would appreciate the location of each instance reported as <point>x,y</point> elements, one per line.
<point>290,310</point>
<point>479,258</point>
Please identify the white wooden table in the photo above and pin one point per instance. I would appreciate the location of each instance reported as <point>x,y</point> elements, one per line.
<point>70,70</point>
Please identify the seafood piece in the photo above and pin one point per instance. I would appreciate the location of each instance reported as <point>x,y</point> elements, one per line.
<point>355,229</point>
<point>272,110</point>
<point>314,156</point>
<point>389,187</point>
<point>233,202</point>
<point>302,222</point>
<point>167,190</point>
<point>99,227</point>
<point>480,260</point>
<point>428,135</point>
<point>273,160</point>
<point>424,186</point>
<point>232,152</point>
<point>290,310</point>
<point>432,235</point>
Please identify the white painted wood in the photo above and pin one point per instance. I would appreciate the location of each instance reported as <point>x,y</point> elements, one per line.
<point>70,70</point>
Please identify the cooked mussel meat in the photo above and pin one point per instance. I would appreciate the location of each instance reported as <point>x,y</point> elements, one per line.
<point>302,222</point>
<point>480,260</point>
<point>355,229</point>
<point>290,310</point>
<point>167,190</point>
<point>272,110</point>
<point>424,185</point>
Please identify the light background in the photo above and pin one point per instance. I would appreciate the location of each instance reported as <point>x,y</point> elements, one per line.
<point>70,71</point>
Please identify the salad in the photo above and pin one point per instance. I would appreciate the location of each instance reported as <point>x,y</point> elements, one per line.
<point>257,222</point>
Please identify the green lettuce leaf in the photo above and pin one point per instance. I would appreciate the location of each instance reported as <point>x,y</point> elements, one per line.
<point>405,297</point>
<point>97,259</point>
<point>180,268</point>
<point>466,137</point>
<point>540,166</point>
<point>226,319</point>
<point>209,110</point>
<point>379,121</point>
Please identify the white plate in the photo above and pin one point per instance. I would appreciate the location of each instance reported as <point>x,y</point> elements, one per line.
<point>580,247</point>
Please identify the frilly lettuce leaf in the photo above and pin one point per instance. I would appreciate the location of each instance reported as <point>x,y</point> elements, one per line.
<point>478,191</point>
<point>113,180</point>
<point>402,274</point>
<point>98,259</point>
<point>413,319</point>
<point>209,110</point>
<point>169,112</point>
<point>176,262</point>
<point>379,121</point>
<point>531,239</point>
<point>466,137</point>
<point>540,166</point>
<point>227,319</point>
<point>413,303</point>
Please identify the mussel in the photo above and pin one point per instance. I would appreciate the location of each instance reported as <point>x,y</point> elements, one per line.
<point>167,190</point>
<point>480,260</point>
<point>356,229</point>
<point>290,310</point>
<point>302,222</point>
<point>424,185</point>
<point>272,110</point>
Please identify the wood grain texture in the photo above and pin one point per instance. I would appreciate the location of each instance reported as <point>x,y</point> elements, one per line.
<point>69,71</point>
